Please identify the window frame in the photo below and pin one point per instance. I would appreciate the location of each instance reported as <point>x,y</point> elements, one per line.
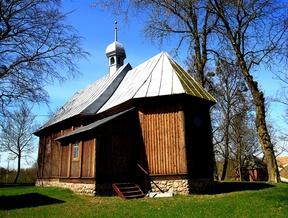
<point>112,61</point>
<point>74,149</point>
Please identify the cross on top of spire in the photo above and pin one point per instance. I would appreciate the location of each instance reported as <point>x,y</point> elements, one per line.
<point>116,31</point>
<point>115,53</point>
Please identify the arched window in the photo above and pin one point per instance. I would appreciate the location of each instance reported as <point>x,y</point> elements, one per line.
<point>112,60</point>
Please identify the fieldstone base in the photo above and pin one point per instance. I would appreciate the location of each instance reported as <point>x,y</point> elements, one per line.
<point>182,186</point>
<point>81,188</point>
<point>177,186</point>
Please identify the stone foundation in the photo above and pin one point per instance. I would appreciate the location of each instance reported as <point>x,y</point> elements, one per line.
<point>177,186</point>
<point>182,186</point>
<point>81,188</point>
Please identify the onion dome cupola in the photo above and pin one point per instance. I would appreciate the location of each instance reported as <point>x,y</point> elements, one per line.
<point>115,53</point>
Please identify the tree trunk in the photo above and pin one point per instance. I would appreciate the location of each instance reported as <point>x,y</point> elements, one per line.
<point>265,140</point>
<point>224,170</point>
<point>261,125</point>
<point>239,142</point>
<point>18,169</point>
<point>215,168</point>
<point>226,151</point>
<point>239,161</point>
<point>258,98</point>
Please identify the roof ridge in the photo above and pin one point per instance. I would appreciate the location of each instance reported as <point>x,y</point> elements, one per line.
<point>160,75</point>
<point>74,106</point>
<point>198,88</point>
<point>150,74</point>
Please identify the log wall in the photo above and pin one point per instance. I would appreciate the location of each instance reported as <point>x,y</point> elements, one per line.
<point>41,156</point>
<point>88,158</point>
<point>64,160</point>
<point>164,138</point>
<point>46,157</point>
<point>55,155</point>
<point>56,160</point>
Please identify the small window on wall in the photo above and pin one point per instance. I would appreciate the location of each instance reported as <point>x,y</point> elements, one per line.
<point>112,60</point>
<point>76,150</point>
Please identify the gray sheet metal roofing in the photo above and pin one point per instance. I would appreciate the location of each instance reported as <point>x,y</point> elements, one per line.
<point>93,125</point>
<point>85,97</point>
<point>158,76</point>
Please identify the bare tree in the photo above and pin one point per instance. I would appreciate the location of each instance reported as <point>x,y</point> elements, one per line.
<point>283,98</point>
<point>191,22</point>
<point>34,43</point>
<point>17,135</point>
<point>233,105</point>
<point>255,29</point>
<point>243,134</point>
<point>227,92</point>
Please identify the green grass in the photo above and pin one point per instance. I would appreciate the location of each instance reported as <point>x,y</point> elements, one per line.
<point>53,202</point>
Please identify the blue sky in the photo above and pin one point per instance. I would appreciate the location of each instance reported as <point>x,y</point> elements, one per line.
<point>97,29</point>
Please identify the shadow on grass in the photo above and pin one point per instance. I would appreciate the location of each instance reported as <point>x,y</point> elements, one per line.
<point>26,200</point>
<point>8,185</point>
<point>226,187</point>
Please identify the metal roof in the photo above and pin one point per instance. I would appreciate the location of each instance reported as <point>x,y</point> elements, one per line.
<point>115,48</point>
<point>93,125</point>
<point>84,98</point>
<point>158,76</point>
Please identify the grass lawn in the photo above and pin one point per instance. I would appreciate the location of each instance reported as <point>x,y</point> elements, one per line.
<point>27,201</point>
